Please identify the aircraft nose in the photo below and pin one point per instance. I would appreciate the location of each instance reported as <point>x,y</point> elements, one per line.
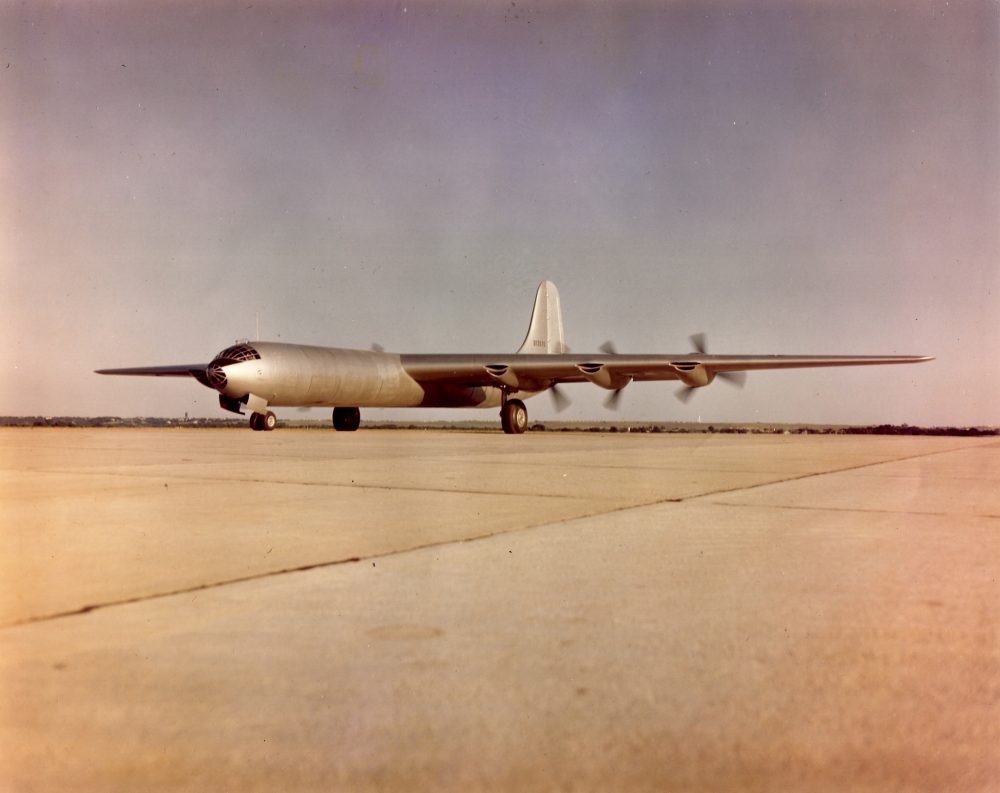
<point>216,374</point>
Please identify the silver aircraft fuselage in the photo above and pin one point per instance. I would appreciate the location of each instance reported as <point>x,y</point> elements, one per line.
<point>297,375</point>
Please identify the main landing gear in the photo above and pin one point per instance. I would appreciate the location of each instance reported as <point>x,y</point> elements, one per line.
<point>263,422</point>
<point>346,419</point>
<point>513,416</point>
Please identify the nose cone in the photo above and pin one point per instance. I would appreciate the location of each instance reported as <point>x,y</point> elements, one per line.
<point>216,374</point>
<point>225,364</point>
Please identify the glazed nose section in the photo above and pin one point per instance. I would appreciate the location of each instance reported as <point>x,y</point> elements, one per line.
<point>216,374</point>
<point>216,371</point>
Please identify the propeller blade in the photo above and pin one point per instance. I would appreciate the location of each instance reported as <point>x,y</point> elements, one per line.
<point>700,343</point>
<point>559,399</point>
<point>684,394</point>
<point>738,379</point>
<point>614,399</point>
<point>608,348</point>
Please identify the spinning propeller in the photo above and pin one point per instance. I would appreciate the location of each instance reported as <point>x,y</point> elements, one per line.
<point>614,398</point>
<point>700,344</point>
<point>559,400</point>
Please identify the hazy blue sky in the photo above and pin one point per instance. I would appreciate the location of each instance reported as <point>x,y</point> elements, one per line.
<point>790,177</point>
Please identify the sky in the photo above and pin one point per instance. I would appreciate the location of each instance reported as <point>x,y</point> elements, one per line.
<point>786,177</point>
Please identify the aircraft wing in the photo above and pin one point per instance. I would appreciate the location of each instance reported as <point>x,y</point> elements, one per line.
<point>535,372</point>
<point>195,370</point>
<point>185,370</point>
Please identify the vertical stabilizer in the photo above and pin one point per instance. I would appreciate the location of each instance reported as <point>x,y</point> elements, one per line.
<point>545,333</point>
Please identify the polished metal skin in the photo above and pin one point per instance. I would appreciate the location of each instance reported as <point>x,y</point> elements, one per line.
<point>257,376</point>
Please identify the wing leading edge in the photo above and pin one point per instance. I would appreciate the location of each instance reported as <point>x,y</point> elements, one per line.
<point>195,370</point>
<point>542,371</point>
<point>184,370</point>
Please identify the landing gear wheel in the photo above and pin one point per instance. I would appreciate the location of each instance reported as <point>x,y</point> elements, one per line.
<point>514,417</point>
<point>346,419</point>
<point>263,422</point>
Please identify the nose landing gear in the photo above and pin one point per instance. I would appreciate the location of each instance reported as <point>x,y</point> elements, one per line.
<point>263,422</point>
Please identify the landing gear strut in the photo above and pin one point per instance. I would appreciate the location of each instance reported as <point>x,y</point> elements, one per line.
<point>263,422</point>
<point>513,416</point>
<point>346,419</point>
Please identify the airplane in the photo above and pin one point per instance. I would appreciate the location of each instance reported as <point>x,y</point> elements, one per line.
<point>253,377</point>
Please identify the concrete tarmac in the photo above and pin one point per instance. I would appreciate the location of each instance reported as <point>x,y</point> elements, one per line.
<point>202,610</point>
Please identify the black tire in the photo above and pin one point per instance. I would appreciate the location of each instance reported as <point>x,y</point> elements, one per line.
<point>256,422</point>
<point>268,421</point>
<point>514,417</point>
<point>346,419</point>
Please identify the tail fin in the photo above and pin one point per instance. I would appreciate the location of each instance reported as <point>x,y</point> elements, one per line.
<point>545,333</point>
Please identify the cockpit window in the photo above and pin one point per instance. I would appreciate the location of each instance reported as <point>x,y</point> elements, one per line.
<point>239,352</point>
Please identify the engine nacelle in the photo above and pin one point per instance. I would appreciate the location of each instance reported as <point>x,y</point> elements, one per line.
<point>598,374</point>
<point>692,373</point>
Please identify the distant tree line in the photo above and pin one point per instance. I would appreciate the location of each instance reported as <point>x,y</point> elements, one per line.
<point>671,427</point>
<point>113,421</point>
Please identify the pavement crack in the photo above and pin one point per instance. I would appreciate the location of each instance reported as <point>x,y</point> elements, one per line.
<point>811,474</point>
<point>867,510</point>
<point>92,607</point>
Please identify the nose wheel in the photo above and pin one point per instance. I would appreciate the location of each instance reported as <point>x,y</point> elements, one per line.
<point>263,422</point>
<point>514,417</point>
